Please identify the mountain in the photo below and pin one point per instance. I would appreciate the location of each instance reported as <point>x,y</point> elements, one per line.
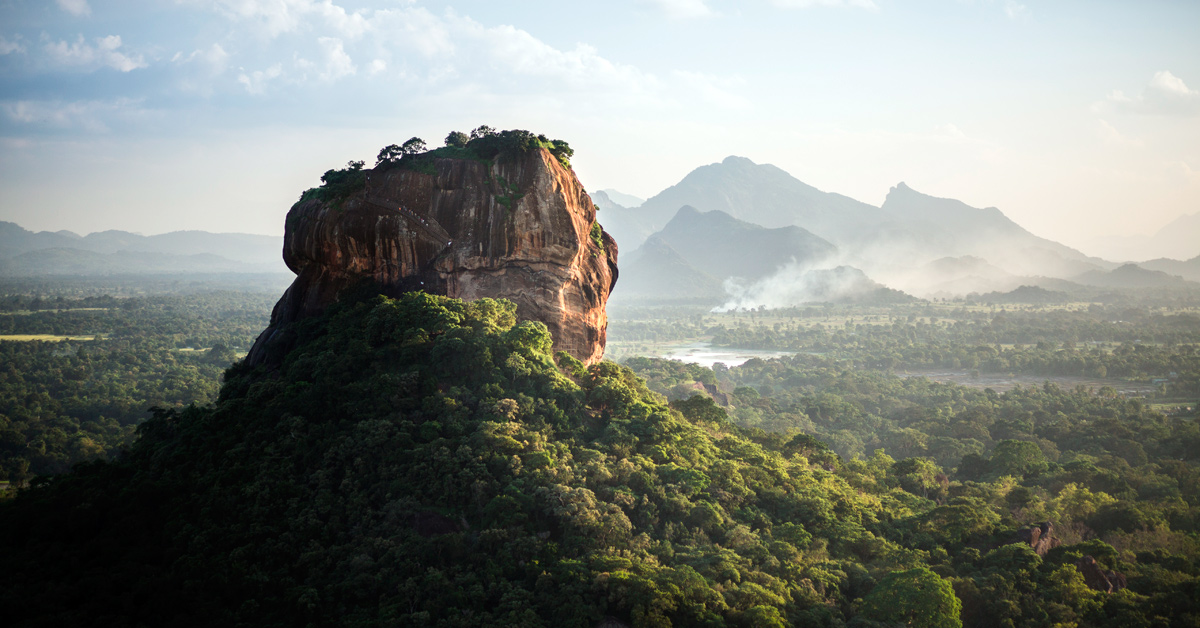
<point>621,198</point>
<point>700,250</point>
<point>657,272</point>
<point>44,262</point>
<point>24,252</point>
<point>758,193</point>
<point>1024,294</point>
<point>890,243</point>
<point>722,246</point>
<point>1178,240</point>
<point>517,226</point>
<point>1189,269</point>
<point>950,276</point>
<point>604,202</point>
<point>925,226</point>
<point>712,254</point>
<point>1133,276</point>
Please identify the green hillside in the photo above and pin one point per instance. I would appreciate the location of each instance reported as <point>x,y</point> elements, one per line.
<point>426,462</point>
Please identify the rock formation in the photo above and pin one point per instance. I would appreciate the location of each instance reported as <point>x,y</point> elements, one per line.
<point>1099,579</point>
<point>1040,538</point>
<point>517,227</point>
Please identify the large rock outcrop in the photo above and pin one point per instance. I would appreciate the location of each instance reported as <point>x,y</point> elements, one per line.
<point>519,227</point>
<point>1041,537</point>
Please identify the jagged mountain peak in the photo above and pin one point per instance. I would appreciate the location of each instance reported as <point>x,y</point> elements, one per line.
<point>904,200</point>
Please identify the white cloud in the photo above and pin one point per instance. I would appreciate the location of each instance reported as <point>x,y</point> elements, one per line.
<point>1169,83</point>
<point>256,81</point>
<point>804,4</point>
<point>9,46</point>
<point>683,9</point>
<point>413,28</point>
<point>1111,136</point>
<point>351,25</point>
<point>337,63</point>
<point>85,115</point>
<point>213,59</point>
<point>78,8</point>
<point>276,17</point>
<point>313,42</point>
<point>492,55</point>
<point>1165,94</point>
<point>199,68</point>
<point>1015,10</point>
<point>951,131</point>
<point>80,54</point>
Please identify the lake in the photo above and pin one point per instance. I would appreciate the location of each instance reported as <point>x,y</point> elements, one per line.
<point>707,355</point>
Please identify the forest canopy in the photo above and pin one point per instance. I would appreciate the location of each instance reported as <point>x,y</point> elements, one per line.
<point>427,461</point>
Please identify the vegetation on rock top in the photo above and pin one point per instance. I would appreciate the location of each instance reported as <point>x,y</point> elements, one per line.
<point>483,144</point>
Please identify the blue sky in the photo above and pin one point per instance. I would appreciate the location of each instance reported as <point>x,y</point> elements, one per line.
<point>1078,119</point>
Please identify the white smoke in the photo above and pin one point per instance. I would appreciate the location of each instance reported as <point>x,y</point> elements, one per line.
<point>797,284</point>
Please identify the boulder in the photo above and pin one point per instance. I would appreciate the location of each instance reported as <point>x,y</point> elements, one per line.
<point>517,227</point>
<point>1099,579</point>
<point>1041,537</point>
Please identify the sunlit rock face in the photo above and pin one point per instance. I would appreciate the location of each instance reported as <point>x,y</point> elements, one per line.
<point>517,228</point>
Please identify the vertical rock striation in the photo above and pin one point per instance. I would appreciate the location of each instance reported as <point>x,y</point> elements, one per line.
<point>519,227</point>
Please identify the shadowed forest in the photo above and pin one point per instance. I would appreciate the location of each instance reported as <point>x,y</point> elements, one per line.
<point>840,484</point>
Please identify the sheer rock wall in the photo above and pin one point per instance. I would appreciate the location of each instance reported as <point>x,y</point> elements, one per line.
<point>517,228</point>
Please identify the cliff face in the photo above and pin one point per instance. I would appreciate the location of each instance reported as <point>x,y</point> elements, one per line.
<point>519,228</point>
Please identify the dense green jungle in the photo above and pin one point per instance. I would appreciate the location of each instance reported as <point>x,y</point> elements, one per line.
<point>428,462</point>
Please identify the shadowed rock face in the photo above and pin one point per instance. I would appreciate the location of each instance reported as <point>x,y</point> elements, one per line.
<point>517,229</point>
<point>1040,538</point>
<point>1099,579</point>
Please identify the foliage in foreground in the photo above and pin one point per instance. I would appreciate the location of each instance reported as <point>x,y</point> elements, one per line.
<point>424,461</point>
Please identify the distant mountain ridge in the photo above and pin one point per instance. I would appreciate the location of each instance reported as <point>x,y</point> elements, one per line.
<point>1189,269</point>
<point>960,229</point>
<point>1177,240</point>
<point>892,244</point>
<point>623,199</point>
<point>655,271</point>
<point>697,251</point>
<point>1133,276</point>
<point>717,244</point>
<point>758,193</point>
<point>28,253</point>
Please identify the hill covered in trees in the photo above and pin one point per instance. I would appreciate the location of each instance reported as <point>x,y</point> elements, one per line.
<point>426,461</point>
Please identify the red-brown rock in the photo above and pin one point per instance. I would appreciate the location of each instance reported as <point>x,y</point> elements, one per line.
<point>517,228</point>
<point>1040,538</point>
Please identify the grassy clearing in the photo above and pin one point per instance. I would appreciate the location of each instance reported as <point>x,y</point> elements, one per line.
<point>48,337</point>
<point>71,309</point>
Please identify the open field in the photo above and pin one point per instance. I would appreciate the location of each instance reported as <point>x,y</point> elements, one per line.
<point>1002,382</point>
<point>55,310</point>
<point>49,337</point>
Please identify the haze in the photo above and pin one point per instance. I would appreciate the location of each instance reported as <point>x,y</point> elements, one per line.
<point>1079,120</point>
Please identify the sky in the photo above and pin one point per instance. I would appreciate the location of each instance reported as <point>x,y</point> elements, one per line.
<point>1079,119</point>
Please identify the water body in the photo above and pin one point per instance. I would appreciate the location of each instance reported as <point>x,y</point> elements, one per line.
<point>707,355</point>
